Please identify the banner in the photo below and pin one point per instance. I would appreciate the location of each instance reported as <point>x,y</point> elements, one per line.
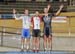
<point>60,19</point>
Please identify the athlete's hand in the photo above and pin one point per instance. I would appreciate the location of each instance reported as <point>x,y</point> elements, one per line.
<point>61,6</point>
<point>14,11</point>
<point>48,6</point>
<point>31,25</point>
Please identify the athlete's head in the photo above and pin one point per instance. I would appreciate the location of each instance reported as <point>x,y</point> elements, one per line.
<point>36,13</point>
<point>26,12</point>
<point>45,10</point>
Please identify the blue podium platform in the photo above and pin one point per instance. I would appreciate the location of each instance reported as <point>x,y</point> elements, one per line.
<point>40,52</point>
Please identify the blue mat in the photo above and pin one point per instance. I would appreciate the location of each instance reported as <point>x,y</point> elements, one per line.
<point>41,52</point>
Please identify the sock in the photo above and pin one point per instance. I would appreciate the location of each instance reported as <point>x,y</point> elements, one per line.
<point>27,47</point>
<point>22,47</point>
<point>45,48</point>
<point>37,48</point>
<point>34,48</point>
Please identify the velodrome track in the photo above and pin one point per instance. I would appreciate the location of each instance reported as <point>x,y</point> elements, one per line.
<point>67,43</point>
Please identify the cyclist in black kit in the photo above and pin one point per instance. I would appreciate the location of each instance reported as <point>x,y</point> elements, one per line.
<point>47,18</point>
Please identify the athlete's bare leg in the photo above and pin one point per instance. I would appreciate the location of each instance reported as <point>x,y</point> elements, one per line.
<point>34,43</point>
<point>49,42</point>
<point>22,44</point>
<point>28,43</point>
<point>45,42</point>
<point>37,43</point>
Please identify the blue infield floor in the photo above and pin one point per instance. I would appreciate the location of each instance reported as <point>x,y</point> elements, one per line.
<point>41,52</point>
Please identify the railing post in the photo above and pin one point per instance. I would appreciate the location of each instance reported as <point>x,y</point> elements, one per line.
<point>69,27</point>
<point>2,37</point>
<point>51,45</point>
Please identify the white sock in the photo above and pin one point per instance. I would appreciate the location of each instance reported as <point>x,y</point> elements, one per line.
<point>27,47</point>
<point>34,48</point>
<point>22,47</point>
<point>37,48</point>
<point>45,48</point>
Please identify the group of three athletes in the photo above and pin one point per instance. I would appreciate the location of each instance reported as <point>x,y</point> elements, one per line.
<point>35,22</point>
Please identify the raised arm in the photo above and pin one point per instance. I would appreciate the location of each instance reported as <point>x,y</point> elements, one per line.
<point>48,7</point>
<point>58,12</point>
<point>15,16</point>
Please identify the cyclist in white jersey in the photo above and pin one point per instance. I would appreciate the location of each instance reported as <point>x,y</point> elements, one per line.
<point>26,21</point>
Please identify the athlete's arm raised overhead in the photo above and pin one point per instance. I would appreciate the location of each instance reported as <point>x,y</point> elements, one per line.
<point>48,7</point>
<point>58,12</point>
<point>14,15</point>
